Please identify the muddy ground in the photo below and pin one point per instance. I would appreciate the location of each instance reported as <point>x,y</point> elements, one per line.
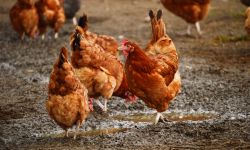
<point>211,112</point>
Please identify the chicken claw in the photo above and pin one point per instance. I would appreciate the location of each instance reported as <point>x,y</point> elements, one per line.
<point>103,107</point>
<point>159,116</point>
<point>77,129</point>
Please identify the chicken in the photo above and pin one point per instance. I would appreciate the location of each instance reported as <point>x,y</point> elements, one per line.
<point>247,21</point>
<point>71,7</point>
<point>152,74</point>
<point>192,11</point>
<point>99,71</point>
<point>108,43</point>
<point>245,2</point>
<point>24,18</point>
<point>51,13</point>
<point>68,98</point>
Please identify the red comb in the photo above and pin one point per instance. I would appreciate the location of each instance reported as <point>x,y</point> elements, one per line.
<point>124,41</point>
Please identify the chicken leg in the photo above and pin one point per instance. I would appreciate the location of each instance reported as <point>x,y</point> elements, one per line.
<point>43,36</point>
<point>67,133</point>
<point>158,117</point>
<point>56,35</point>
<point>77,128</point>
<point>74,20</point>
<point>103,107</point>
<point>189,29</point>
<point>198,28</point>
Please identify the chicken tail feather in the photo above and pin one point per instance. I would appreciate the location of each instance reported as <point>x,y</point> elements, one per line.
<point>82,22</point>
<point>76,41</point>
<point>159,14</point>
<point>151,14</point>
<point>63,56</point>
<point>158,26</point>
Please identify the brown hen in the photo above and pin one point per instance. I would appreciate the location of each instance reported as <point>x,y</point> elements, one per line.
<point>153,75</point>
<point>24,18</point>
<point>99,71</point>
<point>68,98</point>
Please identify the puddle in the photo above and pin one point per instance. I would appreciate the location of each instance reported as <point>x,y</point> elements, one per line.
<point>89,133</point>
<point>139,117</point>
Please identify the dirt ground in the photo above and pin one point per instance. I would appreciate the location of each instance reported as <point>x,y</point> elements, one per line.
<point>211,112</point>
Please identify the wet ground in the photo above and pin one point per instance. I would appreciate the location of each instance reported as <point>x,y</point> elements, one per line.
<point>211,112</point>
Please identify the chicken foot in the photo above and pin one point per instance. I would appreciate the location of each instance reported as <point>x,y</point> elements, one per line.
<point>67,133</point>
<point>189,29</point>
<point>77,128</point>
<point>74,20</point>
<point>56,35</point>
<point>159,116</point>
<point>43,36</point>
<point>197,26</point>
<point>103,107</point>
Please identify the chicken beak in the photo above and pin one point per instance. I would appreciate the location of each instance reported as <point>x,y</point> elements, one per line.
<point>125,50</point>
<point>123,45</point>
<point>120,48</point>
